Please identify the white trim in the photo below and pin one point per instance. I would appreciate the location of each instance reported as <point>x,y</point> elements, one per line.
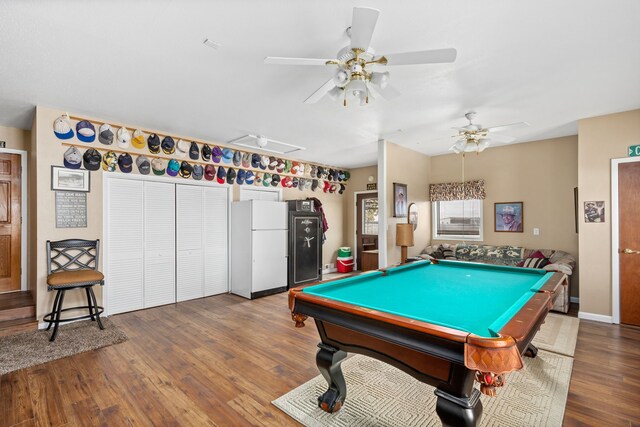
<point>596,317</point>
<point>25,213</point>
<point>615,238</point>
<point>575,300</point>
<point>382,203</point>
<point>355,220</point>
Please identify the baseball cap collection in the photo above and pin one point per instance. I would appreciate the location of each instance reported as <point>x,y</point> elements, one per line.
<point>267,173</point>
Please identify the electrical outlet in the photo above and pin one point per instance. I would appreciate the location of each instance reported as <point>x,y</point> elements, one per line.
<point>326,266</point>
<point>536,231</point>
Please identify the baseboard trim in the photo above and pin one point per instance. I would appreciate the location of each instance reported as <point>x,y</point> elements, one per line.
<point>330,270</point>
<point>597,317</point>
<point>574,300</point>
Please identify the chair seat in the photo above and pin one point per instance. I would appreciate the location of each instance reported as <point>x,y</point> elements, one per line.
<point>65,278</point>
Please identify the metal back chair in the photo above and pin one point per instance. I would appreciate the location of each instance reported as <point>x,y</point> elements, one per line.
<point>73,264</point>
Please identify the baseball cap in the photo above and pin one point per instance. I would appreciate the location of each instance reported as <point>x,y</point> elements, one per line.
<point>280,166</point>
<point>332,188</point>
<point>92,159</point>
<point>109,161</point>
<point>194,152</point>
<point>314,185</point>
<point>294,182</point>
<point>313,171</point>
<point>295,166</point>
<point>125,162</point>
<point>168,145</point>
<point>320,172</point>
<point>266,179</point>
<point>249,177</point>
<point>231,175</point>
<point>138,139</point>
<point>123,138</point>
<point>206,153</point>
<point>301,169</point>
<point>198,171</point>
<point>255,160</point>
<point>326,186</point>
<point>342,188</point>
<point>347,175</point>
<point>287,166</point>
<point>227,155</point>
<point>158,166</point>
<point>186,169</point>
<point>106,134</point>
<point>221,176</point>
<point>144,166</point>
<point>246,160</point>
<point>275,180</point>
<point>62,127</point>
<point>209,172</point>
<point>341,176</point>
<point>241,176</point>
<point>85,131</point>
<point>216,154</point>
<point>237,158</point>
<point>153,142</point>
<point>173,167</point>
<point>258,178</point>
<point>272,163</point>
<point>264,161</point>
<point>286,182</point>
<point>182,148</point>
<point>330,174</point>
<point>72,158</point>
<point>301,183</point>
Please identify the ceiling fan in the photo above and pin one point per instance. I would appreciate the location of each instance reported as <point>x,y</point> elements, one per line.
<point>473,137</point>
<point>355,64</point>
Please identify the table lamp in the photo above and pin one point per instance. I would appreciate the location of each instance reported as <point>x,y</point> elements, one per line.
<point>404,239</point>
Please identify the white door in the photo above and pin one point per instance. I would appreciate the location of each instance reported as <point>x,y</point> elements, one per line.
<point>190,254</point>
<point>159,244</point>
<point>269,259</point>
<point>124,277</point>
<point>215,244</point>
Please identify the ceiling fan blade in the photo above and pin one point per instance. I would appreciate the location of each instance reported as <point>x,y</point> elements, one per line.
<point>501,138</point>
<point>389,92</point>
<point>362,26</point>
<point>422,57</point>
<point>277,60</point>
<point>503,127</point>
<point>318,94</point>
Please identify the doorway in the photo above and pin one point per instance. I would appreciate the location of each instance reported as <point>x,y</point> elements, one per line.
<point>366,227</point>
<point>626,241</point>
<point>10,222</point>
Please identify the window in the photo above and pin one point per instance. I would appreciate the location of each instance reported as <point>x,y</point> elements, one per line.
<point>370,216</point>
<point>457,220</point>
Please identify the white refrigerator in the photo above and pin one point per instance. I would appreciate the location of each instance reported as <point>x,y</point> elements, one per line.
<point>258,248</point>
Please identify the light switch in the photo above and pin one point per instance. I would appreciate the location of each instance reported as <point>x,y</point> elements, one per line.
<point>536,231</point>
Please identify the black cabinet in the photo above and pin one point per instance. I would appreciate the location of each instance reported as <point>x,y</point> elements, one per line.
<point>305,248</point>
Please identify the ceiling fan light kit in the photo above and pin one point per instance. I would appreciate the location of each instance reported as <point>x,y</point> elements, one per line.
<point>473,137</point>
<point>356,75</point>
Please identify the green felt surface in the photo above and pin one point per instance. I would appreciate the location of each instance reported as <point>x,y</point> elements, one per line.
<point>475,298</point>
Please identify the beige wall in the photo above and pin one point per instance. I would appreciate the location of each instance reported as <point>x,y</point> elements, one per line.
<point>600,139</point>
<point>541,174</point>
<point>408,167</point>
<point>16,139</point>
<point>48,150</point>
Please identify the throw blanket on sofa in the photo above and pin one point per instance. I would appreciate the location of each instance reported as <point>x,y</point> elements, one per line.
<point>503,255</point>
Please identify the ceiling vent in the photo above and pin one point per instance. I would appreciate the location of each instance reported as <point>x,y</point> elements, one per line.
<point>260,142</point>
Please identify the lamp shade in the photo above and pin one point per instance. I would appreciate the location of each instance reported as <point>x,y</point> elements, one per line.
<point>404,234</point>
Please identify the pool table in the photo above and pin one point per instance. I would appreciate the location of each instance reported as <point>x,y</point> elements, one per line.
<point>446,323</point>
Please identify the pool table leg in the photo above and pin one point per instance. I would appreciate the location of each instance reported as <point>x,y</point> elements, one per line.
<point>458,401</point>
<point>531,351</point>
<point>328,361</point>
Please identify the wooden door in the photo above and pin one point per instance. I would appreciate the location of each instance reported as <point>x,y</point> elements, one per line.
<point>629,207</point>
<point>366,225</point>
<point>10,222</point>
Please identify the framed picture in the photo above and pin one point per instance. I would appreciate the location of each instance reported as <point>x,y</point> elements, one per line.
<point>413,215</point>
<point>594,211</point>
<point>63,179</point>
<point>399,200</point>
<point>508,217</point>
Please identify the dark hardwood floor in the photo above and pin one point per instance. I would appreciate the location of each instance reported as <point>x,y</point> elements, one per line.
<point>222,360</point>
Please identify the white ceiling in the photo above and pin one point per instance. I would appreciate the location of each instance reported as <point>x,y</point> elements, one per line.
<point>547,62</point>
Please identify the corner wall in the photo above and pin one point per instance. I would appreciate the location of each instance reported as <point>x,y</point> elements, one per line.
<point>600,139</point>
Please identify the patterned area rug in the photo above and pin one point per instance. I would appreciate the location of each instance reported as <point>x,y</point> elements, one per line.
<point>33,348</point>
<point>558,334</point>
<point>381,395</point>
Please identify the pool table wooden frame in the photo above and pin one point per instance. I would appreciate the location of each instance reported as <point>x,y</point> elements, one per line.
<point>443,357</point>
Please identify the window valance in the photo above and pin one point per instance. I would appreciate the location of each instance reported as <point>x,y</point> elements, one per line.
<point>457,191</point>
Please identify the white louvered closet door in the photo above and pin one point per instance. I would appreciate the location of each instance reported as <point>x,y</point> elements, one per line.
<point>159,244</point>
<point>124,276</point>
<point>216,205</point>
<point>190,255</point>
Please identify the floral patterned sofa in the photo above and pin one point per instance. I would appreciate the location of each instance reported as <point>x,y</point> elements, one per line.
<point>559,261</point>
